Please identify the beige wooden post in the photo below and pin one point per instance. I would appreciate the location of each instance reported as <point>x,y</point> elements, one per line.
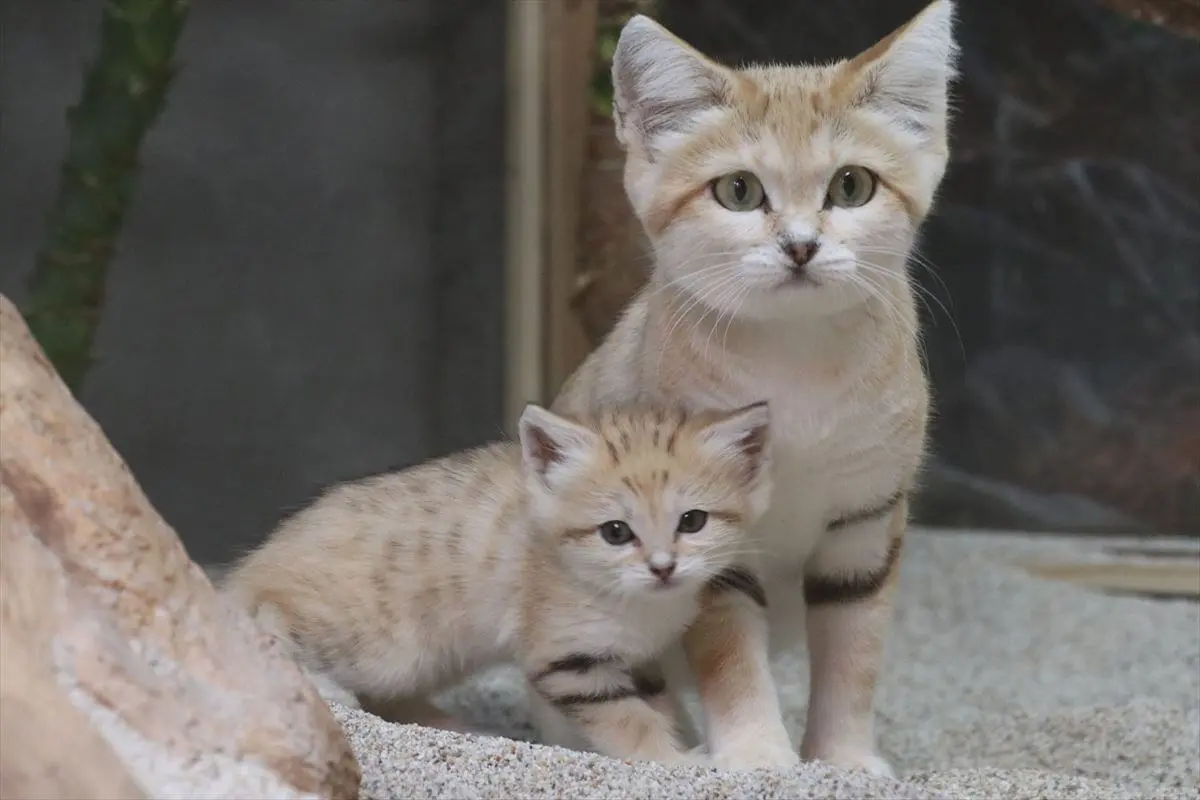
<point>571,39</point>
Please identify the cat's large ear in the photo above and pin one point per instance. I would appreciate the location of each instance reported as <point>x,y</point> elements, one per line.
<point>906,76</point>
<point>660,84</point>
<point>743,434</point>
<point>553,447</point>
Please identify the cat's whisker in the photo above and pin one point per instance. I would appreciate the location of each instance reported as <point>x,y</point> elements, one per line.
<point>917,257</point>
<point>861,280</point>
<point>732,293</point>
<point>746,291</point>
<point>923,295</point>
<point>886,295</point>
<point>710,308</point>
<point>694,301</point>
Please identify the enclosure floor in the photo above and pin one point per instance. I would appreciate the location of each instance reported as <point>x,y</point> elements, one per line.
<point>997,685</point>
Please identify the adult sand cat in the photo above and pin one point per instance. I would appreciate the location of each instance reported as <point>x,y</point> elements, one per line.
<point>782,203</point>
<point>579,554</point>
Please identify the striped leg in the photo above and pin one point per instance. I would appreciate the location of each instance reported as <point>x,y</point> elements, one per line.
<point>612,706</point>
<point>728,649</point>
<point>848,593</point>
<point>670,702</point>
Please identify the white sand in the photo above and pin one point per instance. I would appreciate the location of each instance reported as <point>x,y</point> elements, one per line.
<point>997,685</point>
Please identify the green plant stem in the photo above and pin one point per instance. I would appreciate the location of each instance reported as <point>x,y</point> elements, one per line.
<point>124,91</point>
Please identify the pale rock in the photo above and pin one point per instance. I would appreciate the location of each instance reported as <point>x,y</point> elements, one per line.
<point>120,667</point>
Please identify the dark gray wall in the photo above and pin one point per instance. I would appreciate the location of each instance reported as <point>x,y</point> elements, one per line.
<point>309,285</point>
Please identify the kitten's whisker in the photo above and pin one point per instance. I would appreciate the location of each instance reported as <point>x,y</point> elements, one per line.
<point>735,550</point>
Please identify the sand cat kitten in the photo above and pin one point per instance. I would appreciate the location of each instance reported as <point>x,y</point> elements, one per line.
<point>782,203</point>
<point>580,554</point>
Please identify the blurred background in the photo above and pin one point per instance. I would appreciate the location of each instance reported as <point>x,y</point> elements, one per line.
<point>362,233</point>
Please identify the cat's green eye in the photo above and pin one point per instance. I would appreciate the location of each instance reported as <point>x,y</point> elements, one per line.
<point>851,187</point>
<point>692,521</point>
<point>616,532</point>
<point>739,191</point>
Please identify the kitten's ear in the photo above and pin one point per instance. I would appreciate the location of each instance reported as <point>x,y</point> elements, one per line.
<point>553,446</point>
<point>907,75</point>
<point>744,434</point>
<point>659,83</point>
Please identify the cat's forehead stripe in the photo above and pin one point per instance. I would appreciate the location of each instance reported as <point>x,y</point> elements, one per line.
<point>672,439</point>
<point>625,435</point>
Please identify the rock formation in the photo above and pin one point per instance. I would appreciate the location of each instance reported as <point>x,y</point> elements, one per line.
<point>122,672</point>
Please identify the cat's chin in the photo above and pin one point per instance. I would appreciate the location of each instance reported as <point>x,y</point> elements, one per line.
<point>657,590</point>
<point>812,298</point>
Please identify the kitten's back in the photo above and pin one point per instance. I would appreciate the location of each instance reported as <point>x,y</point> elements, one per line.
<point>369,554</point>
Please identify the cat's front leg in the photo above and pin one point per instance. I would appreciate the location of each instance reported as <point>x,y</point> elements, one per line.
<point>728,651</point>
<point>555,728</point>
<point>614,708</point>
<point>848,588</point>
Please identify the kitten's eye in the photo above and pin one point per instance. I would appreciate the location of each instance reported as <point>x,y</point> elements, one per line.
<point>692,521</point>
<point>851,187</point>
<point>616,532</point>
<point>739,191</point>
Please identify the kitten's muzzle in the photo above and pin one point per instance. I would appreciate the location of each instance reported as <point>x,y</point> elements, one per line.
<point>663,570</point>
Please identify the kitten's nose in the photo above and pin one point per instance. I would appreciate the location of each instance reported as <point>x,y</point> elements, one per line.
<point>800,252</point>
<point>662,565</point>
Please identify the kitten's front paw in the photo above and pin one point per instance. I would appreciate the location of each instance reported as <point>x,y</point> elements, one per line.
<point>858,760</point>
<point>756,755</point>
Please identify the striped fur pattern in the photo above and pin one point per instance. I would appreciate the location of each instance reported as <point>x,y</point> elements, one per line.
<point>571,553</point>
<point>783,204</point>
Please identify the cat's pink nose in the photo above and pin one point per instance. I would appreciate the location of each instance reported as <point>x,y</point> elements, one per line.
<point>663,571</point>
<point>800,252</point>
